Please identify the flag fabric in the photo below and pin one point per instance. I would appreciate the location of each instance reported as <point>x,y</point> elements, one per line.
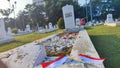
<point>55,63</point>
<point>62,59</point>
<point>89,59</point>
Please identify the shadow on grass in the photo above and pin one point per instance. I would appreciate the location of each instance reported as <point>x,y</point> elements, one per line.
<point>88,28</point>
<point>108,46</point>
<point>6,43</point>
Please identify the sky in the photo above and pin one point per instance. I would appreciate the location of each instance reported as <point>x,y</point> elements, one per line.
<point>81,2</point>
<point>21,4</point>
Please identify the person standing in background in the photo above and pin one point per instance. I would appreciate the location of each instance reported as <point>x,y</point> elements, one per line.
<point>82,21</point>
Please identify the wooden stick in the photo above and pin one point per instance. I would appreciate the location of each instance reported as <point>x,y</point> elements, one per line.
<point>76,59</point>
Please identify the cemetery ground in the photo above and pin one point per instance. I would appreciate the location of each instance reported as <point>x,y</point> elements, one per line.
<point>24,39</point>
<point>106,40</point>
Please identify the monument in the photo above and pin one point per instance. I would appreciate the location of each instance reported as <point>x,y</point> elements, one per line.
<point>9,31</point>
<point>19,30</point>
<point>2,28</point>
<point>109,18</point>
<point>77,23</point>
<point>46,27</point>
<point>50,26</point>
<point>28,28</point>
<point>110,22</point>
<point>3,35</point>
<point>68,14</point>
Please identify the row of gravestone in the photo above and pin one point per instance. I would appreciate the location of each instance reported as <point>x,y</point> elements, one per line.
<point>9,32</point>
<point>68,25</point>
<point>68,14</point>
<point>48,28</point>
<point>27,29</point>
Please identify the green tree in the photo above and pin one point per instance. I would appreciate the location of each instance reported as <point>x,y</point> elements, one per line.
<point>54,9</point>
<point>102,8</point>
<point>32,15</point>
<point>22,19</point>
<point>38,14</point>
<point>61,24</point>
<point>116,4</point>
<point>6,12</point>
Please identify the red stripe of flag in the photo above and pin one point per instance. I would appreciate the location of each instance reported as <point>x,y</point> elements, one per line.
<point>46,64</point>
<point>89,59</point>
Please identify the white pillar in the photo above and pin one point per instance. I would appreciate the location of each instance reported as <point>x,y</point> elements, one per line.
<point>2,27</point>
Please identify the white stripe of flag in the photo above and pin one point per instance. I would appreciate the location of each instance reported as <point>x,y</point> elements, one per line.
<point>55,63</point>
<point>89,59</point>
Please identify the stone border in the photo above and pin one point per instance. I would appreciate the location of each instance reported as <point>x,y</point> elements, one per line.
<point>84,45</point>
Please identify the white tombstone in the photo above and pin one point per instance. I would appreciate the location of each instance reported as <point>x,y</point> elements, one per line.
<point>2,27</point>
<point>19,31</point>
<point>9,31</point>
<point>50,26</point>
<point>46,27</point>
<point>3,35</point>
<point>68,14</point>
<point>77,21</point>
<point>28,28</point>
<point>109,18</point>
<point>116,20</point>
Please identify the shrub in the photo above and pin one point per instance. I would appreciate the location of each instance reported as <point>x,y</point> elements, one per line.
<point>60,23</point>
<point>14,30</point>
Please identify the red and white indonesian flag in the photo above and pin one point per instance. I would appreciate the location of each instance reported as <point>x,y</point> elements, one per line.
<point>55,63</point>
<point>91,60</point>
<point>61,59</point>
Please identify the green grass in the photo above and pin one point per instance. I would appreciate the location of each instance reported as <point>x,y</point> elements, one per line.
<point>106,40</point>
<point>24,39</point>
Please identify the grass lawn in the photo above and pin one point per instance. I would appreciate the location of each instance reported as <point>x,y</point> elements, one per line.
<point>106,40</point>
<point>24,39</point>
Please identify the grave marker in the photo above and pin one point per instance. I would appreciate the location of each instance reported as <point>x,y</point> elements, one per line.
<point>68,14</point>
<point>109,18</point>
<point>2,27</point>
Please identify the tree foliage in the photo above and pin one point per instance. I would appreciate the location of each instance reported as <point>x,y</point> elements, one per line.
<point>6,12</point>
<point>115,4</point>
<point>32,15</point>
<point>61,24</point>
<point>54,9</point>
<point>22,20</point>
